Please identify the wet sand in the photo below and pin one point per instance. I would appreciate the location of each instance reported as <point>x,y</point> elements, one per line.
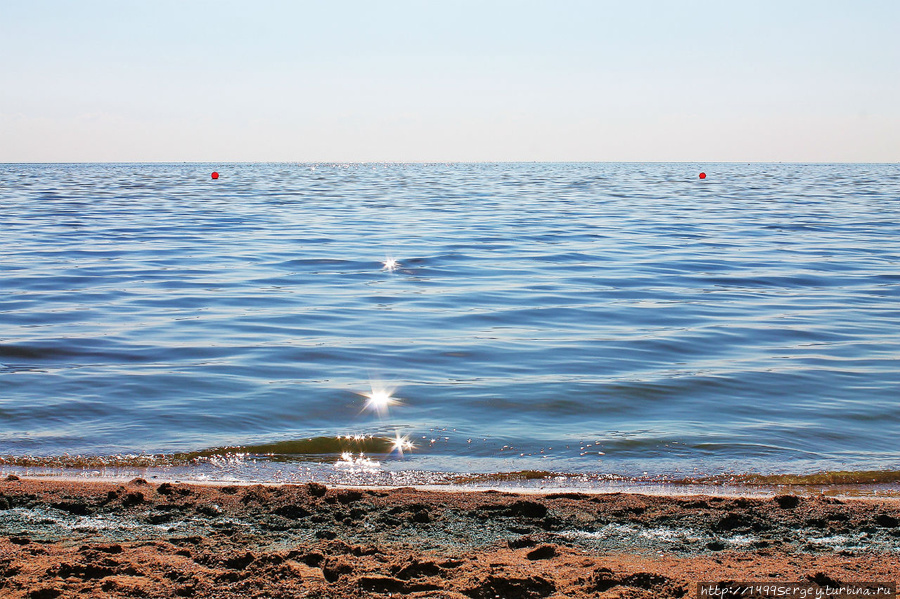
<point>140,539</point>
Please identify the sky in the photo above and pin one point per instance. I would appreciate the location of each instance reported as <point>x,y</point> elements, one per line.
<point>448,80</point>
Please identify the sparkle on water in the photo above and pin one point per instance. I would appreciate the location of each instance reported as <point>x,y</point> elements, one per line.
<point>358,463</point>
<point>401,443</point>
<point>380,398</point>
<point>390,264</point>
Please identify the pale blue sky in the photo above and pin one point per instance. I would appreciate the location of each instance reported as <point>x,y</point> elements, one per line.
<point>347,80</point>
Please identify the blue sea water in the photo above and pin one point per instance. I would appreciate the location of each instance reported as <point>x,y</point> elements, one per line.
<point>592,319</point>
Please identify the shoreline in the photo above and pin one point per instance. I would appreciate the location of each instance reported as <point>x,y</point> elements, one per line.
<point>503,482</point>
<point>838,484</point>
<point>156,538</point>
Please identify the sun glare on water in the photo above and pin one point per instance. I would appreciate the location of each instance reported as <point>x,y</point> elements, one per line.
<point>359,463</point>
<point>380,399</point>
<point>401,443</point>
<point>390,264</point>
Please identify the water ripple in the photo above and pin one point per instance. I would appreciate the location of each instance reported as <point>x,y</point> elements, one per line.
<point>744,322</point>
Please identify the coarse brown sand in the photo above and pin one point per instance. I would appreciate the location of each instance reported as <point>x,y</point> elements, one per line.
<point>136,539</point>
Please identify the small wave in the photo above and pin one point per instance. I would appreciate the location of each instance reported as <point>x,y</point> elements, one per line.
<point>315,448</point>
<point>832,478</point>
<point>91,462</point>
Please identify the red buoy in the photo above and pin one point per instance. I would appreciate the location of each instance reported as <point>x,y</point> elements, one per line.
<point>215,175</point>
<point>703,175</point>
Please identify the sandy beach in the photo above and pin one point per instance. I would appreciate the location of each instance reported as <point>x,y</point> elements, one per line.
<point>148,539</point>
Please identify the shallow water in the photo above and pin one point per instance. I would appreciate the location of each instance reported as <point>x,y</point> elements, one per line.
<point>591,319</point>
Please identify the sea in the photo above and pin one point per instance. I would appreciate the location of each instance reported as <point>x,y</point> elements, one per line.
<point>583,325</point>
